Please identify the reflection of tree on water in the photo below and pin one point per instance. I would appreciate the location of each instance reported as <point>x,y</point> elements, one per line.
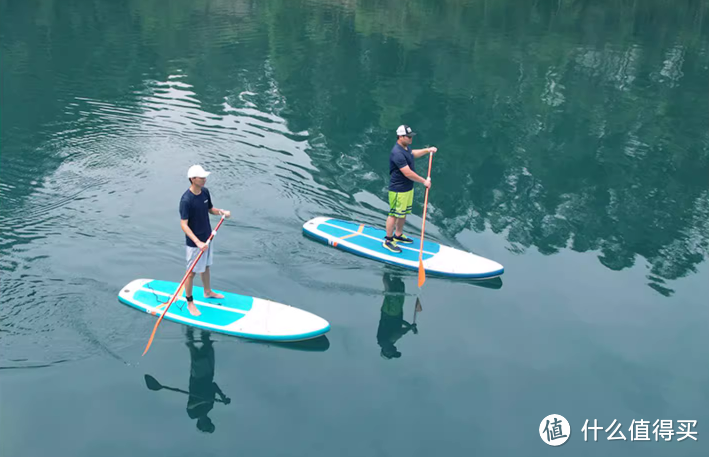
<point>590,135</point>
<point>578,145</point>
<point>392,325</point>
<point>203,389</point>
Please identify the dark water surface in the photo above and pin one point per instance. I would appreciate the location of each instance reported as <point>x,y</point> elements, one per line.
<point>573,149</point>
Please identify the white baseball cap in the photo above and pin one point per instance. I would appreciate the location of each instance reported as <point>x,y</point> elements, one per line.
<point>404,130</point>
<point>196,171</point>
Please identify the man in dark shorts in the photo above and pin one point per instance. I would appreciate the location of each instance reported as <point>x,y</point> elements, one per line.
<point>195,208</point>
<point>402,173</point>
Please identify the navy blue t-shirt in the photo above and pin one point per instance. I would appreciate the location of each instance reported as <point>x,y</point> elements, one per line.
<point>399,158</point>
<point>195,208</point>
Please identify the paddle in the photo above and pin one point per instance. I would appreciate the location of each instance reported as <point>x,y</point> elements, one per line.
<point>422,272</point>
<point>182,283</point>
<point>154,385</point>
<point>418,308</point>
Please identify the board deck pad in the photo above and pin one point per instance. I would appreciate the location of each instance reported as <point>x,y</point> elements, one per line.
<point>371,238</point>
<point>366,241</point>
<point>235,314</point>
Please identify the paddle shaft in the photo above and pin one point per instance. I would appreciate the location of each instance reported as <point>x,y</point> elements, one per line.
<point>179,288</point>
<point>416,308</point>
<point>159,386</point>
<point>174,389</point>
<point>422,272</point>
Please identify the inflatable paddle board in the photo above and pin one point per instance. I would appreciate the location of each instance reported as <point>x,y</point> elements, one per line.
<point>237,315</point>
<point>366,241</point>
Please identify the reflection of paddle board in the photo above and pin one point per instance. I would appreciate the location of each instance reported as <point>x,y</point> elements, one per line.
<point>237,315</point>
<point>319,344</point>
<point>366,241</point>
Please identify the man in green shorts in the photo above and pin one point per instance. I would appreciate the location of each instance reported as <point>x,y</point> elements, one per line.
<point>402,173</point>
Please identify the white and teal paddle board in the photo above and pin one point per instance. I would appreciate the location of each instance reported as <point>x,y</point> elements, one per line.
<point>237,315</point>
<point>366,241</point>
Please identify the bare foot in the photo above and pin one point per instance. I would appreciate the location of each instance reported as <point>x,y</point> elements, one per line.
<point>193,309</point>
<point>211,294</point>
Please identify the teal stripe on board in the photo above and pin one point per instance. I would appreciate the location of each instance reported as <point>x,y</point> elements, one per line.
<point>376,244</point>
<point>230,300</point>
<point>214,316</point>
<point>429,246</point>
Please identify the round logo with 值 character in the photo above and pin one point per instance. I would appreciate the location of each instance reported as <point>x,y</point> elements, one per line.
<point>554,430</point>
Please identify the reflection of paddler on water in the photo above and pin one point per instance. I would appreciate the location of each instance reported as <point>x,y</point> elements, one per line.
<point>203,390</point>
<point>392,325</point>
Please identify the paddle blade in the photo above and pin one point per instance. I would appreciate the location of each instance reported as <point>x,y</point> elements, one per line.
<point>152,335</point>
<point>152,383</point>
<point>422,273</point>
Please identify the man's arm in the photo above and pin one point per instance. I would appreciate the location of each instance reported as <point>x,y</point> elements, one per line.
<point>218,212</point>
<point>188,231</point>
<point>412,175</point>
<point>422,152</point>
<point>226,400</point>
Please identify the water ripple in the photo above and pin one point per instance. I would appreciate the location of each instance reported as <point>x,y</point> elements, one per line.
<point>114,160</point>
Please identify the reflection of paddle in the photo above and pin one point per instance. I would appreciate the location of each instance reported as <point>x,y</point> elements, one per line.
<point>417,309</point>
<point>182,283</point>
<point>422,272</point>
<point>154,385</point>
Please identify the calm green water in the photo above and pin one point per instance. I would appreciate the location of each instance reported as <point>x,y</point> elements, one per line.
<point>573,148</point>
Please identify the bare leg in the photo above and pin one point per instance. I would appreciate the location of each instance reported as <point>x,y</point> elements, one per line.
<point>400,226</point>
<point>188,293</point>
<point>207,287</point>
<point>391,221</point>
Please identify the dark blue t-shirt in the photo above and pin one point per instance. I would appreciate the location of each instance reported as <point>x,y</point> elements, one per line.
<point>195,208</point>
<point>399,158</point>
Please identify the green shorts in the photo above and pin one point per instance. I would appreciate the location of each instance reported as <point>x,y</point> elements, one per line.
<point>400,203</point>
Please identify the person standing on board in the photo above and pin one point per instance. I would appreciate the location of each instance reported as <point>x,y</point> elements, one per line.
<point>402,175</point>
<point>195,208</point>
